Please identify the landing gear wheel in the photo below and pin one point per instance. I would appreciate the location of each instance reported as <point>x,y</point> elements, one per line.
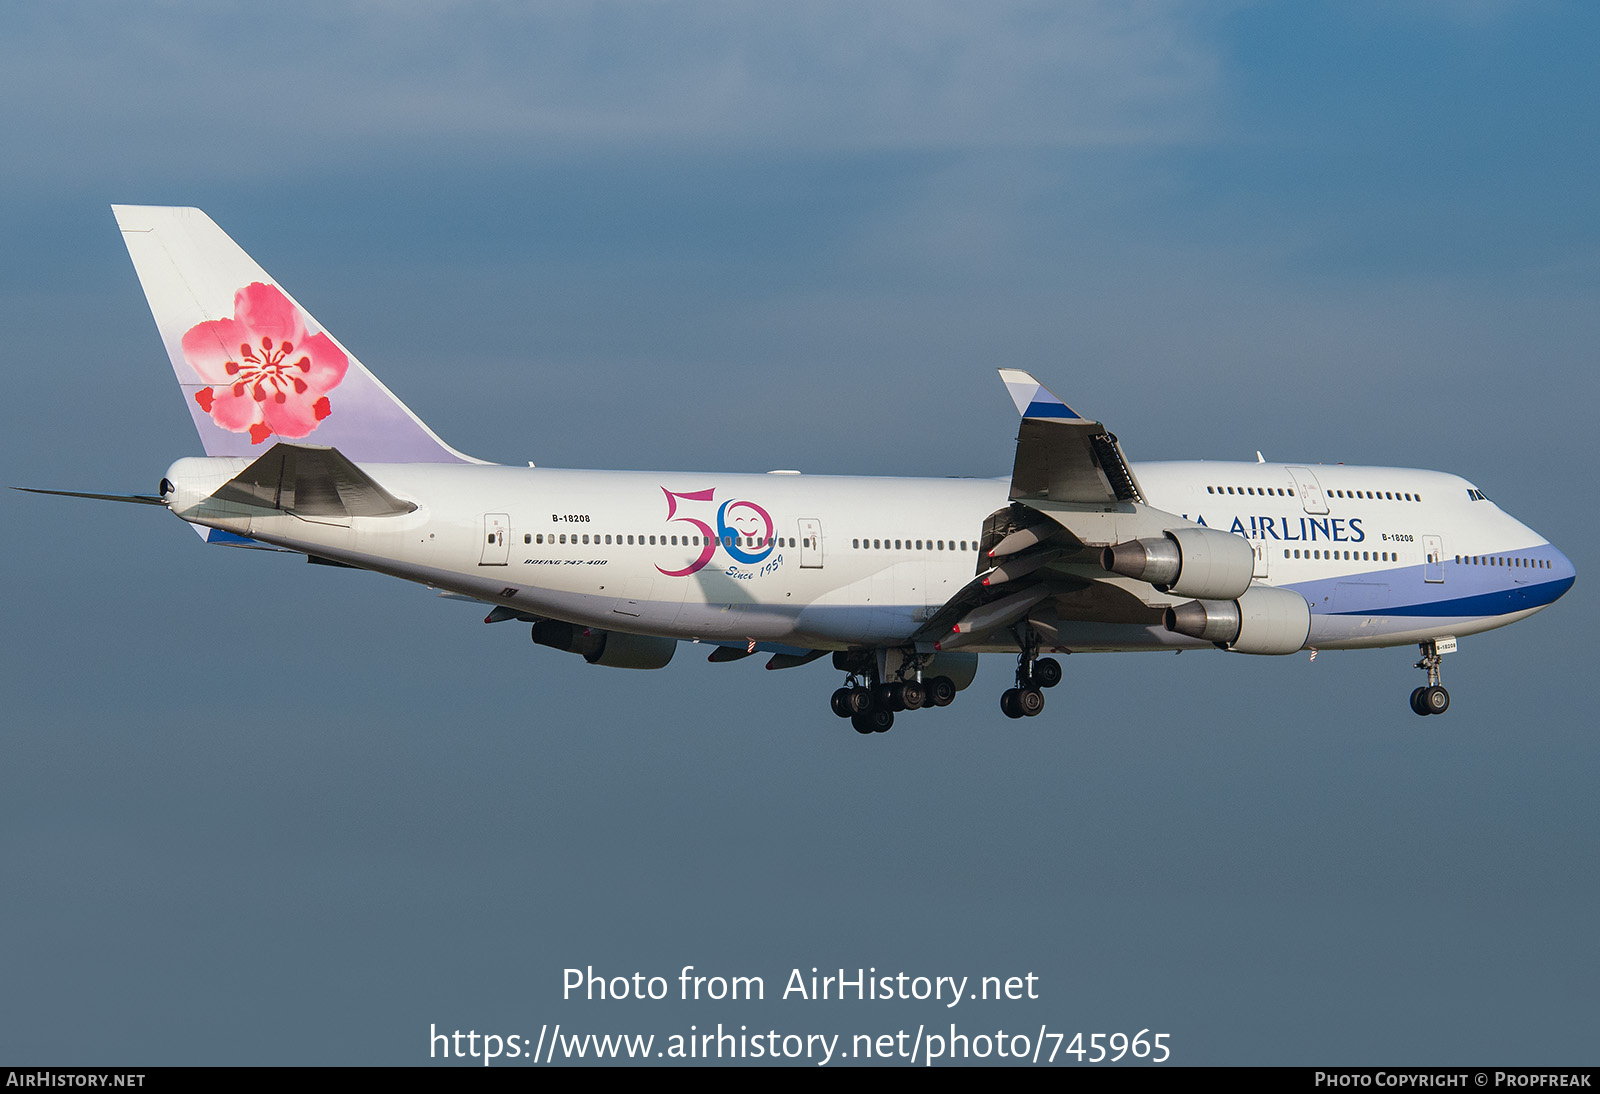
<point>1010,704</point>
<point>877,720</point>
<point>941,691</point>
<point>863,723</point>
<point>1432,699</point>
<point>860,700</point>
<point>1047,672</point>
<point>840,702</point>
<point>913,694</point>
<point>888,697</point>
<point>1030,701</point>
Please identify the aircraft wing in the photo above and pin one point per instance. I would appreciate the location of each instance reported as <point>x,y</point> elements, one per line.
<point>1061,455</point>
<point>1057,582</point>
<point>1073,494</point>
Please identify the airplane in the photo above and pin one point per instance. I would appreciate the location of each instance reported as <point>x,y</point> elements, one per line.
<point>902,582</point>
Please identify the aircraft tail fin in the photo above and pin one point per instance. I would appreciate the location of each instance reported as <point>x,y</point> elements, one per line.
<point>254,366</point>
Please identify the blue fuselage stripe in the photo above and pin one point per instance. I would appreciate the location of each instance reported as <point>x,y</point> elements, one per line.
<point>1499,602</point>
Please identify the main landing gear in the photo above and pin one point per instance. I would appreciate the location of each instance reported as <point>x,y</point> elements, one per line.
<point>1430,698</point>
<point>1033,674</point>
<point>871,705</point>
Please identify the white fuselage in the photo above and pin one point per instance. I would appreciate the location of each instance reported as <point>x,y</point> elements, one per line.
<point>1384,555</point>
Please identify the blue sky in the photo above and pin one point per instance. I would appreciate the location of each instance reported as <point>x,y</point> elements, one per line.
<point>264,812</point>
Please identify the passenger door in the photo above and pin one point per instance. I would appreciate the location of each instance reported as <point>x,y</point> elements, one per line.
<point>496,540</point>
<point>810,543</point>
<point>1433,559</point>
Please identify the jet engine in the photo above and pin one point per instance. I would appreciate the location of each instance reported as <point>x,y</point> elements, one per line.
<point>616,649</point>
<point>1264,620</point>
<point>1198,562</point>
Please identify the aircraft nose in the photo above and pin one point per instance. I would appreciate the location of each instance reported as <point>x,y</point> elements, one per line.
<point>1561,566</point>
<point>1562,574</point>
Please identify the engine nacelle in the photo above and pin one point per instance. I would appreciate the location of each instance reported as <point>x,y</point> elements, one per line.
<point>1197,562</point>
<point>1264,620</point>
<point>616,649</point>
<point>959,665</point>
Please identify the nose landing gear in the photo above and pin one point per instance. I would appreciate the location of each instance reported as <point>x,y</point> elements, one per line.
<point>1431,698</point>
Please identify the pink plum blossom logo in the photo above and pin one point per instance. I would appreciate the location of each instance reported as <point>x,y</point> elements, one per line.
<point>267,375</point>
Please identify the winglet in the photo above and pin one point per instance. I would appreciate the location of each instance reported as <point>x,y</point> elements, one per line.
<point>1033,399</point>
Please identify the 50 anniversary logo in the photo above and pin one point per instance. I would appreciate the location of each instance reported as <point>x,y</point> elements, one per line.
<point>737,521</point>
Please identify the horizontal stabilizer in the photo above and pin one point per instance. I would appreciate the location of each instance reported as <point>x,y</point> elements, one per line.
<point>137,499</point>
<point>312,481</point>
